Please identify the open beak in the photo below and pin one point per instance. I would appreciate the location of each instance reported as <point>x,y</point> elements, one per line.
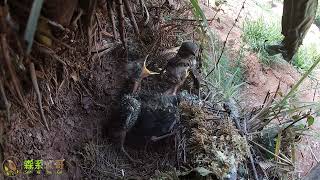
<point>146,72</point>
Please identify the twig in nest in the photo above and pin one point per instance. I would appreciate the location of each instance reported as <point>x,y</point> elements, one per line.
<point>314,156</point>
<point>131,17</point>
<point>110,4</point>
<point>75,21</point>
<point>295,121</point>
<point>36,87</point>
<point>4,97</point>
<point>250,153</point>
<point>315,91</point>
<point>253,166</point>
<point>102,48</point>
<point>144,7</point>
<point>49,52</point>
<point>121,23</point>
<point>99,27</point>
<point>89,22</point>
<point>265,149</point>
<point>55,24</point>
<point>217,11</point>
<point>225,42</point>
<point>191,20</point>
<point>103,52</point>
<point>12,73</point>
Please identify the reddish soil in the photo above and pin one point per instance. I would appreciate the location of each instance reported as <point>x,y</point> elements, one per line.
<point>79,100</point>
<point>261,79</point>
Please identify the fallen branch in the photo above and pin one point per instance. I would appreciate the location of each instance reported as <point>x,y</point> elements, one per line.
<point>36,87</point>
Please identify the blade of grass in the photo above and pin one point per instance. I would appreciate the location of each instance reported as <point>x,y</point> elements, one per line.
<point>32,23</point>
<point>295,87</point>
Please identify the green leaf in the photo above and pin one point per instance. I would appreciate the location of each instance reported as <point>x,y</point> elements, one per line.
<point>295,117</point>
<point>32,23</point>
<point>310,120</point>
<point>300,126</point>
<point>278,144</point>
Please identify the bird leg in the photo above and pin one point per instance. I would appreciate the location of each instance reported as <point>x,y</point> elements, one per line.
<point>123,134</point>
<point>158,138</point>
<point>173,91</point>
<point>144,73</point>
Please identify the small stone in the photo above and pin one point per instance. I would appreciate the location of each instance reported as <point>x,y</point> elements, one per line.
<point>30,151</point>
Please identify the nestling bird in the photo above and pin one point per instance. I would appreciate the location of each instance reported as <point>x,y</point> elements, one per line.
<point>158,117</point>
<point>130,106</point>
<point>178,67</point>
<point>154,115</point>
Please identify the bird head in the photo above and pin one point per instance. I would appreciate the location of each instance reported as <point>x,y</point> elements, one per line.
<point>140,73</point>
<point>188,48</point>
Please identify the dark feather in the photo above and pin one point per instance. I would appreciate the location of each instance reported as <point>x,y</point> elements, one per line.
<point>159,115</point>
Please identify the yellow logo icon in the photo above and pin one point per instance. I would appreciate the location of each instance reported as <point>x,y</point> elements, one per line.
<point>10,167</point>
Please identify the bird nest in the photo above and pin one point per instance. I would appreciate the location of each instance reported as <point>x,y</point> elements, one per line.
<point>210,144</point>
<point>207,144</point>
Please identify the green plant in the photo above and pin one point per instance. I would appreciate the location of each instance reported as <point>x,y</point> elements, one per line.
<point>305,56</point>
<point>226,77</point>
<point>317,18</point>
<point>283,108</point>
<point>256,32</point>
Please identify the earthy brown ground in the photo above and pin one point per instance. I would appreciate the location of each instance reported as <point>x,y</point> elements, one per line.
<point>80,101</point>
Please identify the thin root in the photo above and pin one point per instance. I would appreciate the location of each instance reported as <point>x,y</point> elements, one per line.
<point>131,17</point>
<point>6,102</point>
<point>13,75</point>
<point>121,23</point>
<point>36,87</point>
<point>110,5</point>
<point>145,9</point>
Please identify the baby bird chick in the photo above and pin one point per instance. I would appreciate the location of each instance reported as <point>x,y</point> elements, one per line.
<point>130,106</point>
<point>178,67</point>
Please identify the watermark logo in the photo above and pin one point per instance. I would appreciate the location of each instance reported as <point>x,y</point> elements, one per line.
<point>12,166</point>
